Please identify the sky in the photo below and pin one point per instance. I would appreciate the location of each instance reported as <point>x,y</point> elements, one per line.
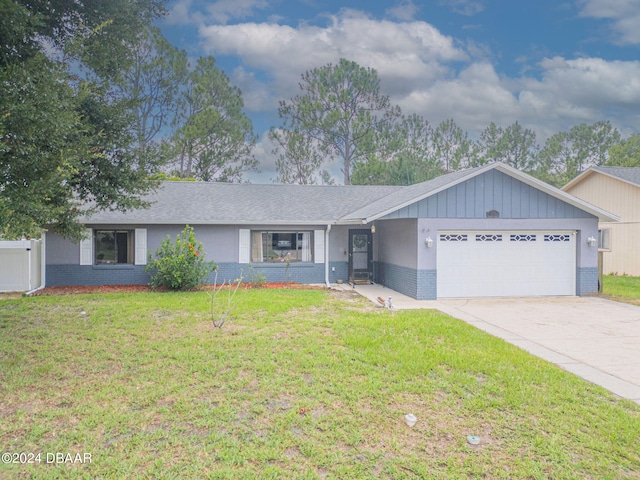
<point>548,64</point>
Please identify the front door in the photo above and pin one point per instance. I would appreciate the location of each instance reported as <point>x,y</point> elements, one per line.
<point>360,256</point>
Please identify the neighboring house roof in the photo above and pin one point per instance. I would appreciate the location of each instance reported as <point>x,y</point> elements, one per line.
<point>626,174</point>
<point>259,204</point>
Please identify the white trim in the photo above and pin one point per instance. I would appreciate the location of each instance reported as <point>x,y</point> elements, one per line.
<point>86,248</point>
<point>244,245</point>
<point>318,246</point>
<point>15,244</point>
<point>140,256</point>
<point>326,264</point>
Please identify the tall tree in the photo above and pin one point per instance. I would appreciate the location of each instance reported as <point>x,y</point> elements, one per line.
<point>593,142</point>
<point>567,154</point>
<point>626,153</point>
<point>489,144</point>
<point>153,84</point>
<point>517,147</point>
<point>557,164</point>
<point>453,147</point>
<point>404,155</point>
<point>215,138</point>
<point>65,137</point>
<point>298,160</point>
<point>340,110</point>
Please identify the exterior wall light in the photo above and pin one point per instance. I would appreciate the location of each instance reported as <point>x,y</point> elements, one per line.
<point>428,242</point>
<point>591,241</point>
<point>373,229</point>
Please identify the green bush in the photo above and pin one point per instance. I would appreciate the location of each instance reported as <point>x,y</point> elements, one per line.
<point>179,265</point>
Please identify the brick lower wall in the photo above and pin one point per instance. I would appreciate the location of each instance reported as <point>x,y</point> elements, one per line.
<point>418,284</point>
<point>95,275</point>
<point>586,280</point>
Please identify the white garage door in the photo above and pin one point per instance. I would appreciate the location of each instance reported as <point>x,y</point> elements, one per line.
<point>506,263</point>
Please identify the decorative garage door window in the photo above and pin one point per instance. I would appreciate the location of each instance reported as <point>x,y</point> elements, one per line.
<point>462,237</point>
<point>557,238</point>
<point>489,238</point>
<point>522,238</point>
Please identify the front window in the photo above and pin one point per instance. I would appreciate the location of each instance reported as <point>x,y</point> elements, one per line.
<point>113,247</point>
<point>281,247</point>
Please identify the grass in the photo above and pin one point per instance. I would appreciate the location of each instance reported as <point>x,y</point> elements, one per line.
<point>298,384</point>
<point>622,288</point>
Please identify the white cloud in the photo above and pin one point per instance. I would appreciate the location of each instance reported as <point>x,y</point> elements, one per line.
<point>190,12</point>
<point>474,98</point>
<point>429,73</point>
<point>224,10</point>
<point>266,159</point>
<point>180,14</point>
<point>405,11</point>
<point>624,16</point>
<point>256,95</point>
<point>464,7</point>
<point>404,53</point>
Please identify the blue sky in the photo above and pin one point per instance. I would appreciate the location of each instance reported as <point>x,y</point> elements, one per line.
<point>546,64</point>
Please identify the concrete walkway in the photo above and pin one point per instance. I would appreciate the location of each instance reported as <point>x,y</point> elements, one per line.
<point>594,338</point>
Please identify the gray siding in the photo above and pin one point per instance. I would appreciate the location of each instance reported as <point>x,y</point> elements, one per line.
<point>220,244</point>
<point>396,242</point>
<point>491,191</point>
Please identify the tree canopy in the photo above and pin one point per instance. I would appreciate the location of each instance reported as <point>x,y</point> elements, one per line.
<point>339,110</point>
<point>65,134</point>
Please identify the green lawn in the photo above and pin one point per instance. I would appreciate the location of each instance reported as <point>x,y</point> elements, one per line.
<point>298,384</point>
<point>622,288</point>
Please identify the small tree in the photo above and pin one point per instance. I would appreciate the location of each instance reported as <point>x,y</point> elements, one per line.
<point>179,265</point>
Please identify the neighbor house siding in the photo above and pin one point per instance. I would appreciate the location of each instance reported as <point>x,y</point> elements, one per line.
<point>622,199</point>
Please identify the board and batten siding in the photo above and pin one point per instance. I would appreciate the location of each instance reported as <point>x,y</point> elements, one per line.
<point>622,199</point>
<point>492,190</point>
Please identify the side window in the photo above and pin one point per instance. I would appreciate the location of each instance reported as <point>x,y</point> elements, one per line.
<point>113,247</point>
<point>604,240</point>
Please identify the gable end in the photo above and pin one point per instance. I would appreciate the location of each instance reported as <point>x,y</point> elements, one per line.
<point>490,191</point>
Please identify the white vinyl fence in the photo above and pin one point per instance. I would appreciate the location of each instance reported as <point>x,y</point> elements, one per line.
<point>20,265</point>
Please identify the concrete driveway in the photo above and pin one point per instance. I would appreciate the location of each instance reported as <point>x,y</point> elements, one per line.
<point>594,338</point>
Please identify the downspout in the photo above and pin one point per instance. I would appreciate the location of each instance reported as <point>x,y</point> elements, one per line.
<point>326,256</point>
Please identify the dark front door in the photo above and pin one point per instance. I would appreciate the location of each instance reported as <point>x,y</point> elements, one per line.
<point>360,256</point>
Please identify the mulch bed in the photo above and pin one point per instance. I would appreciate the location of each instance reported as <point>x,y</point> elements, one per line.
<point>79,289</point>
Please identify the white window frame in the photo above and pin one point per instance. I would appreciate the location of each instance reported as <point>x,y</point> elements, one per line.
<point>306,248</point>
<point>87,247</point>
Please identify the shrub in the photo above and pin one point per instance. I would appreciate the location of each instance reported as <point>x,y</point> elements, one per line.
<point>179,265</point>
<point>257,278</point>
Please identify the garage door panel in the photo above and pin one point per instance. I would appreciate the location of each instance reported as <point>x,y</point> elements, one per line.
<point>506,263</point>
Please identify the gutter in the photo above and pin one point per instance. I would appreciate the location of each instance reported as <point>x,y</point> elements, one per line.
<point>326,256</point>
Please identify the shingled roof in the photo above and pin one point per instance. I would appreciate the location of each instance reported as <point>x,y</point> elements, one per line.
<point>197,203</point>
<point>628,174</point>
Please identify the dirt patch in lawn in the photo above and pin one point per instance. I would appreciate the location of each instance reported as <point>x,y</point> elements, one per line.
<point>80,289</point>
